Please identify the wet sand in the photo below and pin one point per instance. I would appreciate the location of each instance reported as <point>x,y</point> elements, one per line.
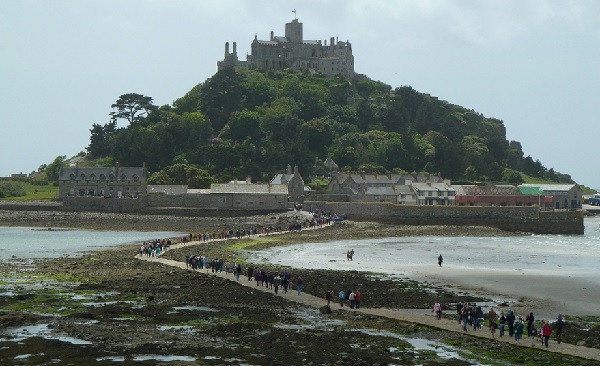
<point>544,293</point>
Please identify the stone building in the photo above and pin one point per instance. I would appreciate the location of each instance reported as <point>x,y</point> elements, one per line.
<point>109,182</point>
<point>293,51</point>
<point>235,195</point>
<point>412,189</point>
<point>498,195</point>
<point>294,182</point>
<point>564,196</point>
<point>434,193</point>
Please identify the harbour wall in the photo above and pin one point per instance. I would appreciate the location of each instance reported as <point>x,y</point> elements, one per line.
<point>514,219</point>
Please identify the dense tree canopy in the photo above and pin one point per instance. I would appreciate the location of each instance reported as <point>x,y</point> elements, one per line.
<point>240,123</point>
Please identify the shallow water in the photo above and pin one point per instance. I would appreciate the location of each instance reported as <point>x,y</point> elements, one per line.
<point>574,255</point>
<point>25,242</point>
<point>40,330</point>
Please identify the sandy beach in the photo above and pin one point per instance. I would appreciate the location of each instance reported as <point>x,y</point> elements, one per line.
<point>543,293</point>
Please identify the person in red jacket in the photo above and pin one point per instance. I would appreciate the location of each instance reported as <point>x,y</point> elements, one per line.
<point>546,331</point>
<point>357,299</point>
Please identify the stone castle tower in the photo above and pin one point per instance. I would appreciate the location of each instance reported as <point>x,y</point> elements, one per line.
<point>293,51</point>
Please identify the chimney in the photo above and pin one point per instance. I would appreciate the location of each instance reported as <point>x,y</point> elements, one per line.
<point>226,48</point>
<point>332,40</point>
<point>234,48</point>
<point>289,169</point>
<point>296,173</point>
<point>272,35</point>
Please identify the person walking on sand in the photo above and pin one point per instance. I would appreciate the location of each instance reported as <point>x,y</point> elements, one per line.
<point>464,312</point>
<point>357,299</point>
<point>299,283</point>
<point>502,323</point>
<point>491,316</point>
<point>533,334</point>
<point>510,321</point>
<point>530,319</point>
<point>559,325</point>
<point>546,332</point>
<point>440,260</point>
<point>437,309</point>
<point>518,328</point>
<point>493,327</point>
<point>329,296</point>
<point>342,296</point>
<point>477,318</point>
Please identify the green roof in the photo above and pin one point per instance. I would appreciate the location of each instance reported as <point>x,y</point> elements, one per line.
<point>531,191</point>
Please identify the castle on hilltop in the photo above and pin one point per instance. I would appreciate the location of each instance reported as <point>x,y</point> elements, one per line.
<point>292,51</point>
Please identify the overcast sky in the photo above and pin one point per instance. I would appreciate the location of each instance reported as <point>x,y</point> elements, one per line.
<point>531,63</point>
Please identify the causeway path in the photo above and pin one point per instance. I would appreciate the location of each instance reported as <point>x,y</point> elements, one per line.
<point>406,315</point>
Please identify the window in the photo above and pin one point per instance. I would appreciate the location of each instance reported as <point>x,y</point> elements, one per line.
<point>82,177</point>
<point>93,177</point>
<point>102,177</point>
<point>111,177</point>
<point>123,178</point>
<point>73,177</point>
<point>135,178</point>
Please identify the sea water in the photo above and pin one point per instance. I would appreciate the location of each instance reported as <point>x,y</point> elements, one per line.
<point>26,242</point>
<point>577,255</point>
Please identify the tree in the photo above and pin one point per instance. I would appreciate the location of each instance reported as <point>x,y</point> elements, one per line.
<point>132,107</point>
<point>53,169</point>
<point>242,125</point>
<point>99,139</point>
<point>190,102</point>
<point>512,176</point>
<point>182,174</point>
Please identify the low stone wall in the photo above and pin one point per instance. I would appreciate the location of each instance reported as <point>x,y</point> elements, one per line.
<point>99,204</point>
<point>203,212</point>
<point>180,205</point>
<point>220,201</point>
<point>329,197</point>
<point>515,219</point>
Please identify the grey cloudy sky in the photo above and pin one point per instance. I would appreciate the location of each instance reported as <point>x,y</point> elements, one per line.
<point>531,63</point>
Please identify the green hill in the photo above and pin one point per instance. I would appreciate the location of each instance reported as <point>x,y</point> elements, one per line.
<point>252,123</point>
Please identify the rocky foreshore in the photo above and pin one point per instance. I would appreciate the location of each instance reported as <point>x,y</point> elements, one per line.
<point>110,307</point>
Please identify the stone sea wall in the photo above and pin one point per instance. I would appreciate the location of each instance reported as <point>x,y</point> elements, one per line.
<point>516,219</point>
<point>182,205</point>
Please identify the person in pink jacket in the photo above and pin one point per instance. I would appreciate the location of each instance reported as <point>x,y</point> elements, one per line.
<point>437,309</point>
<point>546,332</point>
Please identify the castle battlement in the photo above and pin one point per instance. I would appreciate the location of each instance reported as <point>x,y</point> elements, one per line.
<point>292,51</point>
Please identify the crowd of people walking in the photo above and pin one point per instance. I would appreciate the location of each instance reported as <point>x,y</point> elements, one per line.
<point>470,315</point>
<point>154,248</point>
